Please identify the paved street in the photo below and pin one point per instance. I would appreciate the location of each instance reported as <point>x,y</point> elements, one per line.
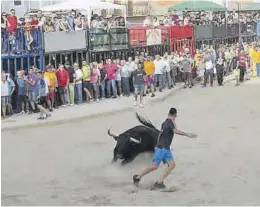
<point>69,164</point>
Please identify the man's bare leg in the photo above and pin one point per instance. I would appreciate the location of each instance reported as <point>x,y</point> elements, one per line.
<point>169,169</point>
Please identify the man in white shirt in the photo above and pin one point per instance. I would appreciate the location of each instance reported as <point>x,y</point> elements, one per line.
<point>147,21</point>
<point>167,73</point>
<point>158,71</point>
<point>78,83</point>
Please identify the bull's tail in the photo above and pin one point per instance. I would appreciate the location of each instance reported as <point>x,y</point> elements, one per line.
<point>145,122</point>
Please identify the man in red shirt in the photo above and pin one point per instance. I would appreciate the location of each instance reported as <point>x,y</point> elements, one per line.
<point>111,78</point>
<point>12,22</point>
<point>63,81</point>
<point>242,64</point>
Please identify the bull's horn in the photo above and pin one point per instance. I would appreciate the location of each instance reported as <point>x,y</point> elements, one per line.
<point>112,135</point>
<point>135,140</point>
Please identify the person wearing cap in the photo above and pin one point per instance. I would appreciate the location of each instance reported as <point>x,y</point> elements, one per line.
<point>167,73</point>
<point>162,150</point>
<point>41,96</point>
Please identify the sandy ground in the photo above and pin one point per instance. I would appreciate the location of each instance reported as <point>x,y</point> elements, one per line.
<point>70,164</point>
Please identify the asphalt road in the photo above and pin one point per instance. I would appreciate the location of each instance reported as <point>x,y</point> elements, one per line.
<point>69,164</point>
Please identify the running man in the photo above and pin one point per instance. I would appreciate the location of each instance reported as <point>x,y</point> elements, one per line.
<point>162,149</point>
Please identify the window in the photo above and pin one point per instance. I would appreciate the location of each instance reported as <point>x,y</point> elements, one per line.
<point>17,2</point>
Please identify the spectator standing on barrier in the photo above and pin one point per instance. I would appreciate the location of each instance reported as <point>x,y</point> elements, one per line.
<point>111,70</point>
<point>52,80</point>
<point>78,84</point>
<point>209,66</point>
<point>138,80</point>
<point>86,71</point>
<point>71,21</point>
<point>125,72</point>
<point>103,77</point>
<point>12,22</point>
<point>63,81</point>
<point>32,88</point>
<point>22,93</point>
<point>149,69</point>
<point>242,64</point>
<point>220,61</point>
<point>95,81</point>
<point>158,71</point>
<point>148,21</point>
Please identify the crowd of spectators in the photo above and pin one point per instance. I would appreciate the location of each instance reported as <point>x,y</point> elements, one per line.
<point>203,18</point>
<point>44,91</point>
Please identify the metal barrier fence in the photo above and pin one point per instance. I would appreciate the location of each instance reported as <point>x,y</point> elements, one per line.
<point>37,48</point>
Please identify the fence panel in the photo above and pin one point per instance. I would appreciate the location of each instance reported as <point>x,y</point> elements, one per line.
<point>64,41</point>
<point>137,36</point>
<point>119,38</point>
<point>181,32</point>
<point>13,63</point>
<point>177,45</point>
<point>232,30</point>
<point>219,32</point>
<point>99,40</point>
<point>248,29</point>
<point>22,41</point>
<point>203,32</point>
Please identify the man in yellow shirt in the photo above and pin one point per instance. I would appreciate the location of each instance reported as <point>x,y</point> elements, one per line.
<point>87,87</point>
<point>258,61</point>
<point>149,70</point>
<point>51,76</point>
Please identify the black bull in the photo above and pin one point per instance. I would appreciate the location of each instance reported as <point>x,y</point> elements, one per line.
<point>141,138</point>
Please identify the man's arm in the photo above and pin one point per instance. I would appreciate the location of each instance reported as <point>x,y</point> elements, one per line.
<point>176,131</point>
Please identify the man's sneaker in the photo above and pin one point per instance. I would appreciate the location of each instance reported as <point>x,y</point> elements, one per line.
<point>22,112</point>
<point>136,179</point>
<point>141,105</point>
<point>135,103</point>
<point>41,118</point>
<point>97,100</point>
<point>159,185</point>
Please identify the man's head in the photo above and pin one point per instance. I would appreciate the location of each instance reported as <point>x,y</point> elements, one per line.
<point>61,67</point>
<point>76,65</point>
<point>84,63</point>
<point>39,74</point>
<point>3,75</point>
<point>173,113</point>
<point>109,61</point>
<point>49,68</point>
<point>12,12</point>
<point>31,71</point>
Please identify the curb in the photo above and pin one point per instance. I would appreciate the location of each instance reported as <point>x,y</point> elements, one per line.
<point>90,116</point>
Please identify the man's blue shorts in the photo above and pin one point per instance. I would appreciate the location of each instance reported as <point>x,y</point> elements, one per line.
<point>162,154</point>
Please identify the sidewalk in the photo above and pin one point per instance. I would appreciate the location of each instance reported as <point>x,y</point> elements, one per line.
<point>84,111</point>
